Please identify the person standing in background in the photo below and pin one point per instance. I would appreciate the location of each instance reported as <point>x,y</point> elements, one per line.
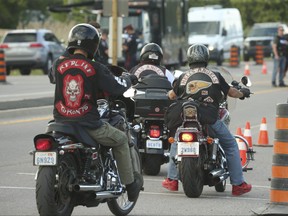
<point>130,47</point>
<point>279,47</point>
<point>102,54</point>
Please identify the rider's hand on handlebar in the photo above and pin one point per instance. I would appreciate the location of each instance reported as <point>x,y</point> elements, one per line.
<point>246,93</point>
<point>134,79</point>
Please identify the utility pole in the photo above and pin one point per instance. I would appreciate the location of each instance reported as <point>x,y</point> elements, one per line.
<point>115,30</point>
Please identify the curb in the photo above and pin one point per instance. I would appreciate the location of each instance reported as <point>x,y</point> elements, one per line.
<point>26,103</point>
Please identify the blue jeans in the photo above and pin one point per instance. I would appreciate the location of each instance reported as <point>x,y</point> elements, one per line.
<point>279,65</point>
<point>230,147</point>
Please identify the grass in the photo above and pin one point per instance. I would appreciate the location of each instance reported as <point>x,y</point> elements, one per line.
<point>36,72</point>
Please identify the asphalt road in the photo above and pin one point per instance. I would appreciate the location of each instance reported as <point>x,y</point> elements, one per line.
<point>28,109</point>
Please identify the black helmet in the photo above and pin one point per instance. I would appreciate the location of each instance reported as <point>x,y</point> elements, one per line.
<point>198,53</point>
<point>83,36</point>
<point>151,52</point>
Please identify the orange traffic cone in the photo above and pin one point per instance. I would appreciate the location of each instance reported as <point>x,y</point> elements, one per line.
<point>242,151</point>
<point>247,134</point>
<point>264,68</point>
<point>247,70</point>
<point>263,139</point>
<point>239,131</point>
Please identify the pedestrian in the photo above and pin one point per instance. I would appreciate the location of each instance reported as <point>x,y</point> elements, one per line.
<point>279,47</point>
<point>79,81</point>
<point>210,94</point>
<point>102,54</point>
<point>130,47</point>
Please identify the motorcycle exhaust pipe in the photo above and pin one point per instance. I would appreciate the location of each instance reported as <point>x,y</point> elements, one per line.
<point>106,195</point>
<point>80,188</point>
<point>218,175</point>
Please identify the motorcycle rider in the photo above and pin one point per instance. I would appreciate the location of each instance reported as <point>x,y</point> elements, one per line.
<point>207,86</point>
<point>79,81</point>
<point>150,63</point>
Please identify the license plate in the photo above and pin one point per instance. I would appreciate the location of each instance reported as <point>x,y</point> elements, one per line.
<point>45,158</point>
<point>156,144</point>
<point>188,149</point>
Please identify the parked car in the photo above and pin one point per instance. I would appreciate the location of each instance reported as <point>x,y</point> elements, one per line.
<point>261,34</point>
<point>27,49</point>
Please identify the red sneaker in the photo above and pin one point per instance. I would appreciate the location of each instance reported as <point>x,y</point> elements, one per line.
<point>170,184</point>
<point>238,190</point>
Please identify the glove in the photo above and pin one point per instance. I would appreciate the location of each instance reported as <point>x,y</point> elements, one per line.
<point>133,78</point>
<point>246,93</point>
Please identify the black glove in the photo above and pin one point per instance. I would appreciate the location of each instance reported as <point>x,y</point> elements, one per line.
<point>246,93</point>
<point>133,78</point>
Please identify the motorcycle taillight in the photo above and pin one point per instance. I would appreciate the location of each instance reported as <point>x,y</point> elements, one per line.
<point>154,131</point>
<point>187,137</point>
<point>43,144</point>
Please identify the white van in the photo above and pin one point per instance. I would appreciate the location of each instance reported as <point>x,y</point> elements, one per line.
<point>218,28</point>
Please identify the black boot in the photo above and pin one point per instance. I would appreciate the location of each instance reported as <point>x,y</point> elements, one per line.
<point>134,188</point>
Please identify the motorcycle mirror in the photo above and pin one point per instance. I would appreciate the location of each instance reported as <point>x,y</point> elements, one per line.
<point>246,81</point>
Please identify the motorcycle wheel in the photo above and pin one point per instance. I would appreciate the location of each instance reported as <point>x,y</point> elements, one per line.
<point>52,195</point>
<point>152,164</point>
<point>122,206</point>
<point>221,186</point>
<point>192,176</point>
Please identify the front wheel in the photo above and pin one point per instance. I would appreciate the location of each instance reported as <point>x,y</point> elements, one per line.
<point>122,206</point>
<point>192,176</point>
<point>52,195</point>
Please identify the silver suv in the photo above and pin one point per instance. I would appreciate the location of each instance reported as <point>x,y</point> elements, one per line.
<point>261,34</point>
<point>27,49</point>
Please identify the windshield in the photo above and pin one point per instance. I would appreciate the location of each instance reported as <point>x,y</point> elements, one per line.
<point>16,38</point>
<point>204,28</point>
<point>258,32</point>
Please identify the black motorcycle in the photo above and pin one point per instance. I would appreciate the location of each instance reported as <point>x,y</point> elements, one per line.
<point>150,104</point>
<point>200,157</point>
<point>75,170</point>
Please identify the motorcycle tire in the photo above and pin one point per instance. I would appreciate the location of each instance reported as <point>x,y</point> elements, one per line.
<point>221,186</point>
<point>192,176</point>
<point>122,206</point>
<point>52,195</point>
<point>152,164</point>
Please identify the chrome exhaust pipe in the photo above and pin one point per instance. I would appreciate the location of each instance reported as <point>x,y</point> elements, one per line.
<point>80,188</point>
<point>218,175</point>
<point>106,195</point>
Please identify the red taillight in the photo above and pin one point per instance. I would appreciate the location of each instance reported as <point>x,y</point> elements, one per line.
<point>187,137</point>
<point>154,131</point>
<point>43,144</point>
<point>36,45</point>
<point>4,46</point>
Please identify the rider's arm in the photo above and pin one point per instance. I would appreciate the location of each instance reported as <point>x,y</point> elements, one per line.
<point>235,93</point>
<point>172,95</point>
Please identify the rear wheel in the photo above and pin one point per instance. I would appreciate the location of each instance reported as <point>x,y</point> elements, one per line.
<point>152,164</point>
<point>52,194</point>
<point>192,176</point>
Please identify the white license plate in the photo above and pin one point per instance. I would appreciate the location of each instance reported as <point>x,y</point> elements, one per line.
<point>188,149</point>
<point>45,158</point>
<point>156,144</point>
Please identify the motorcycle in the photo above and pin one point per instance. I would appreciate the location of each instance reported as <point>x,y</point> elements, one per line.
<point>200,158</point>
<point>150,104</point>
<point>75,170</point>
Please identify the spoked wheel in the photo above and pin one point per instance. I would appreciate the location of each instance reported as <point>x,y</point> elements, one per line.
<point>122,206</point>
<point>52,195</point>
<point>246,152</point>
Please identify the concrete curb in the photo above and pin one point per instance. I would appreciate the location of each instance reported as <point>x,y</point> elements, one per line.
<point>26,103</point>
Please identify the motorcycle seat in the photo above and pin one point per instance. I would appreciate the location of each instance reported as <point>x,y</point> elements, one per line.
<point>74,130</point>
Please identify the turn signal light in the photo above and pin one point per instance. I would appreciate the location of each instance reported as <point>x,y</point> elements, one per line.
<point>187,137</point>
<point>43,144</point>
